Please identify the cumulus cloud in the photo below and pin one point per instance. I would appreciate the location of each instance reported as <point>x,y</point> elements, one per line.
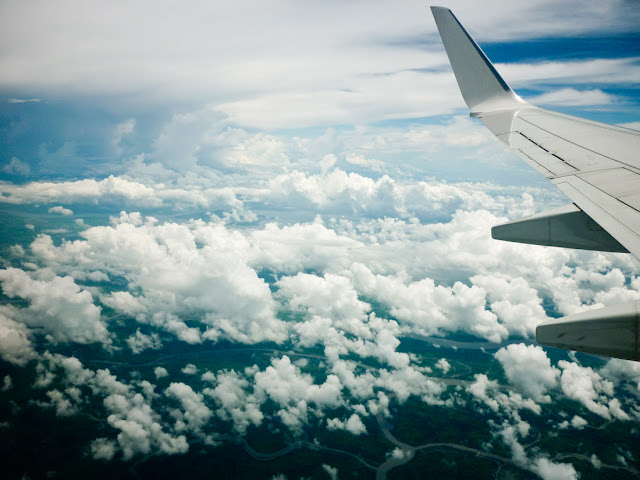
<point>116,189</point>
<point>353,425</point>
<point>15,345</point>
<point>488,392</point>
<point>190,369</point>
<point>62,403</point>
<point>529,369</point>
<point>193,414</point>
<point>443,365</point>
<point>138,342</point>
<point>57,306</point>
<point>586,386</point>
<point>418,252</point>
<point>61,210</point>
<point>103,449</point>
<point>550,470</point>
<point>233,399</point>
<point>285,384</point>
<point>121,131</point>
<point>431,309</point>
<point>331,471</point>
<point>617,371</point>
<point>514,301</point>
<point>176,276</point>
<point>578,422</point>
<point>141,430</point>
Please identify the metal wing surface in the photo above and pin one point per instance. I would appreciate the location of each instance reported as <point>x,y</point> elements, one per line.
<point>596,165</point>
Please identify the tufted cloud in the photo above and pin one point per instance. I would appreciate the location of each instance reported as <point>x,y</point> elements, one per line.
<point>15,345</point>
<point>57,306</point>
<point>529,369</point>
<point>586,386</point>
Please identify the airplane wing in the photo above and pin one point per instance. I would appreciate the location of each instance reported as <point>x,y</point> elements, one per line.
<point>596,165</point>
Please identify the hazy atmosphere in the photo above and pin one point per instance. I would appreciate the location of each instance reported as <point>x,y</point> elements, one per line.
<point>252,240</point>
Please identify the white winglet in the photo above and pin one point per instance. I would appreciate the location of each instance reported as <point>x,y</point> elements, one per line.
<point>482,87</point>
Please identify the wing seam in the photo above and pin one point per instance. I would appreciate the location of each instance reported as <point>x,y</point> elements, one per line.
<point>576,144</point>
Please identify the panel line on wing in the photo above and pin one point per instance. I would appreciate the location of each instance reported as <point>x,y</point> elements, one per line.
<point>538,166</point>
<point>523,119</point>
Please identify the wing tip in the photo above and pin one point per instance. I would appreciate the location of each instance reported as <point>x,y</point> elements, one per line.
<point>482,87</point>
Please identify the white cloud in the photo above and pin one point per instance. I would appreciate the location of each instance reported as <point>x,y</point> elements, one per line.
<point>443,365</point>
<point>160,372</point>
<point>353,425</point>
<point>15,345</point>
<point>514,301</point>
<point>586,386</point>
<point>194,414</point>
<point>331,471</point>
<point>578,422</point>
<point>541,465</point>
<point>550,470</point>
<point>117,189</point>
<point>60,210</point>
<point>576,72</point>
<point>235,403</point>
<point>488,392</point>
<point>141,432</point>
<point>427,308</point>
<point>177,277</point>
<point>190,369</point>
<point>103,449</point>
<point>617,371</point>
<point>138,342</point>
<point>378,63</point>
<point>61,403</point>
<point>64,311</point>
<point>529,369</point>
<point>573,97</point>
<point>23,100</point>
<point>285,384</point>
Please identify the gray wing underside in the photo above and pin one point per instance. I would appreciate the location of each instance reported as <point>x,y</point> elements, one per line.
<point>596,165</point>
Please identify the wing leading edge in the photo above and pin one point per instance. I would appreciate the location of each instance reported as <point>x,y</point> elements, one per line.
<point>596,165</point>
